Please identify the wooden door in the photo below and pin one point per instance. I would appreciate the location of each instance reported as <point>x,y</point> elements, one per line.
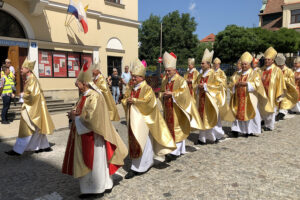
<point>13,55</point>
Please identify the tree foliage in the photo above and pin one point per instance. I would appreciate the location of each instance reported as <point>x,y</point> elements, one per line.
<point>231,43</point>
<point>178,37</point>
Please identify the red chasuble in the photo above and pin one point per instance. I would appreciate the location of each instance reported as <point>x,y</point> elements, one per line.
<point>202,97</point>
<point>190,77</point>
<point>168,114</point>
<point>241,94</point>
<point>266,77</point>
<point>135,150</point>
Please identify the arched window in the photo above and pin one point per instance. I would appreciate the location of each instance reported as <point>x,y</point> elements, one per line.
<point>10,27</point>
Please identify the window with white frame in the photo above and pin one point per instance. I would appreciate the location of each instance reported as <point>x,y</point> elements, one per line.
<point>295,16</point>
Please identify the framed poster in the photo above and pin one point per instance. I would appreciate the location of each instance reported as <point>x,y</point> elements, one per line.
<point>86,58</point>
<point>73,64</point>
<point>45,63</point>
<point>60,64</point>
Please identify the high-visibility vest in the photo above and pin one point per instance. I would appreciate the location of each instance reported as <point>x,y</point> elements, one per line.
<point>8,85</point>
<point>11,75</point>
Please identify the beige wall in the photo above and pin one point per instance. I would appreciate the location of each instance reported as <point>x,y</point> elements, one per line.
<point>51,33</point>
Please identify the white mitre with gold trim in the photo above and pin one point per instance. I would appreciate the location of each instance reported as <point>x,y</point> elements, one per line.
<point>169,60</point>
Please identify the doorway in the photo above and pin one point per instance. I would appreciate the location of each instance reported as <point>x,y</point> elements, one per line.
<point>3,55</point>
<point>114,62</point>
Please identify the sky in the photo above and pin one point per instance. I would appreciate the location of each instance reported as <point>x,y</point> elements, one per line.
<point>212,16</point>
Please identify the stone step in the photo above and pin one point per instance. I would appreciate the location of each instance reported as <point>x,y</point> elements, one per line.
<point>49,106</point>
<point>17,115</point>
<point>20,104</point>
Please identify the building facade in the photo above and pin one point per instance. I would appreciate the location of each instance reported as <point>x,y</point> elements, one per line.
<point>45,32</point>
<point>276,14</point>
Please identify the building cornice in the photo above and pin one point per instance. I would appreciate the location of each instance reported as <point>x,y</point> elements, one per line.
<point>37,7</point>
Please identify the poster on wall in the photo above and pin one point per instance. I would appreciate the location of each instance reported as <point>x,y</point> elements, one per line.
<point>73,64</point>
<point>59,64</point>
<point>86,58</point>
<point>45,64</point>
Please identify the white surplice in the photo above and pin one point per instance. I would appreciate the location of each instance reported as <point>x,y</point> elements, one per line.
<point>180,150</point>
<point>98,180</point>
<point>146,161</point>
<point>270,120</point>
<point>296,108</point>
<point>34,142</point>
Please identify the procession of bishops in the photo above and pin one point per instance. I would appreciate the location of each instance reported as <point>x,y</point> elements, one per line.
<point>198,102</point>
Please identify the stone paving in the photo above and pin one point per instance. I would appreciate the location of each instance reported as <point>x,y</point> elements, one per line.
<point>264,167</point>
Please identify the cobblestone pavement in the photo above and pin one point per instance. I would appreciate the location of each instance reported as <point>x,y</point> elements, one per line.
<point>264,167</point>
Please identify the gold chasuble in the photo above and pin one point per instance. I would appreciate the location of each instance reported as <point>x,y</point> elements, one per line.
<point>273,81</point>
<point>34,112</point>
<point>180,111</point>
<point>243,104</point>
<point>221,81</point>
<point>192,76</point>
<point>94,115</point>
<point>290,97</point>
<point>207,100</point>
<point>143,116</point>
<point>112,108</point>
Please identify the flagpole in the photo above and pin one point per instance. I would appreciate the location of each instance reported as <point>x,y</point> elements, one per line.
<point>160,55</point>
<point>66,18</point>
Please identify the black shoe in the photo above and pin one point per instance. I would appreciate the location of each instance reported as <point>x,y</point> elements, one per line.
<point>246,135</point>
<point>234,134</point>
<point>12,153</point>
<point>130,174</point>
<point>48,149</point>
<point>107,191</point>
<point>262,123</point>
<point>5,122</point>
<point>91,196</point>
<point>279,116</point>
<point>199,143</point>
<point>217,141</point>
<point>170,157</point>
<point>267,129</point>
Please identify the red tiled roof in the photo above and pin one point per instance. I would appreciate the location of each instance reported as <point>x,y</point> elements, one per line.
<point>210,38</point>
<point>273,6</point>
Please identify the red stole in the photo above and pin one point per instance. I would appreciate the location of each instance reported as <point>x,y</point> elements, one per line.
<point>190,77</point>
<point>297,75</point>
<point>202,97</point>
<point>241,95</point>
<point>266,78</point>
<point>169,112</point>
<point>135,150</point>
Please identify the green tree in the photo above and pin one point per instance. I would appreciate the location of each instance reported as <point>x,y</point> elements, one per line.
<point>178,37</point>
<point>231,43</point>
<point>149,38</point>
<point>287,40</point>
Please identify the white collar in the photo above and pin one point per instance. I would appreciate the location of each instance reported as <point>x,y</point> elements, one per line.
<point>86,92</point>
<point>269,67</point>
<point>170,79</point>
<point>239,71</point>
<point>192,70</point>
<point>298,70</point>
<point>216,69</point>
<point>205,73</point>
<point>97,77</point>
<point>244,73</point>
<point>137,86</point>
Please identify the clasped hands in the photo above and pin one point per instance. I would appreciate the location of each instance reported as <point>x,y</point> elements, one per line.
<point>241,84</point>
<point>71,115</point>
